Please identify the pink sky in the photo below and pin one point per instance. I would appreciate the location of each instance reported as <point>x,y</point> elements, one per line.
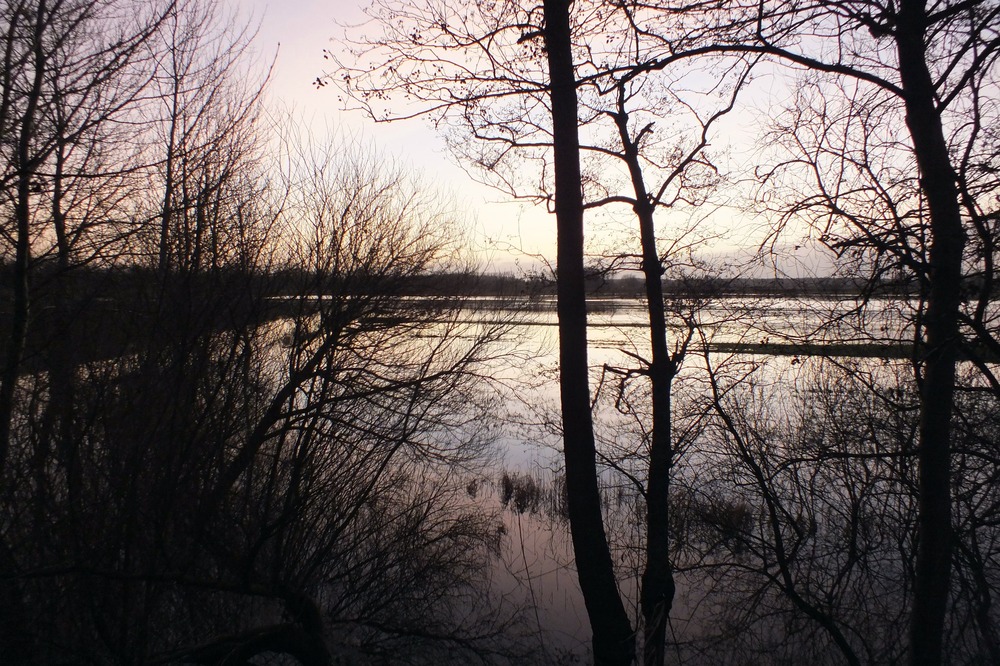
<point>298,31</point>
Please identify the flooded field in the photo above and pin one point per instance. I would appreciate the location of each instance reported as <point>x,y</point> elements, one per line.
<point>761,380</point>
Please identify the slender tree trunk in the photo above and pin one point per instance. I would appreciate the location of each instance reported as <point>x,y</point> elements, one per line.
<point>26,166</point>
<point>166,211</point>
<point>658,587</point>
<point>657,579</point>
<point>938,181</point>
<point>613,638</point>
<point>65,333</point>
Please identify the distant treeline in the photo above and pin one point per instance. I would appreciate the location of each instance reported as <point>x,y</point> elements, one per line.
<point>131,283</point>
<point>491,284</point>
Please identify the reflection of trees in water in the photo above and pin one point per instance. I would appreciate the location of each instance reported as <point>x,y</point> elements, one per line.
<point>795,516</point>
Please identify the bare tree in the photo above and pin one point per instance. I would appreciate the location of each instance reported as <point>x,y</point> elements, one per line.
<point>613,641</point>
<point>930,62</point>
<point>280,477</point>
<point>254,441</point>
<point>480,73</point>
<point>65,89</point>
<point>203,117</point>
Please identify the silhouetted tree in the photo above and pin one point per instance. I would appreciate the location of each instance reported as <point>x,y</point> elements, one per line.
<point>487,74</point>
<point>929,62</point>
<point>252,442</point>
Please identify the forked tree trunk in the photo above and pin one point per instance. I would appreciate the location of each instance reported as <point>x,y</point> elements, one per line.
<point>613,638</point>
<point>657,594</point>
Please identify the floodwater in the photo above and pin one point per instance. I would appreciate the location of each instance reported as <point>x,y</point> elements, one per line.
<point>536,565</point>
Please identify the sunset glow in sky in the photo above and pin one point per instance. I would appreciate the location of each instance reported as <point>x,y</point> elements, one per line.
<point>503,233</point>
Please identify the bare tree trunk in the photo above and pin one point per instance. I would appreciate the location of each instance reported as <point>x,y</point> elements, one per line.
<point>61,347</point>
<point>657,578</point>
<point>938,182</point>
<point>613,638</point>
<point>26,165</point>
<point>163,261</point>
<point>658,587</point>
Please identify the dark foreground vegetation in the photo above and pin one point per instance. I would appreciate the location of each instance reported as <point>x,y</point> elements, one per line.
<point>186,474</point>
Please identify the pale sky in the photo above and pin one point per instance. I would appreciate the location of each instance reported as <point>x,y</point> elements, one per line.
<point>303,28</point>
<point>504,235</point>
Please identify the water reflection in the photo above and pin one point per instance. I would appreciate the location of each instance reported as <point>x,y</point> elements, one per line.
<point>793,486</point>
